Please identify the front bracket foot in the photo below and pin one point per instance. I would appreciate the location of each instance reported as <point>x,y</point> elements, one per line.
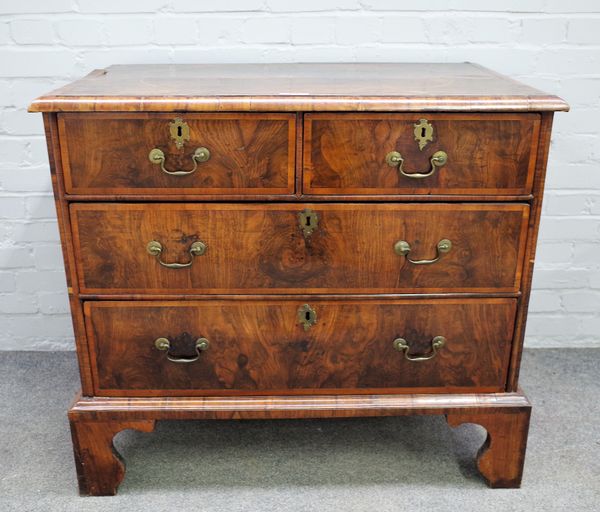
<point>500,459</point>
<point>100,468</point>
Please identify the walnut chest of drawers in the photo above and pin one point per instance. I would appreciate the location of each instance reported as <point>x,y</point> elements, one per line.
<point>298,241</point>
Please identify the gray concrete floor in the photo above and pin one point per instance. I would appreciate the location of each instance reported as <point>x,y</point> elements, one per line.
<point>371,464</point>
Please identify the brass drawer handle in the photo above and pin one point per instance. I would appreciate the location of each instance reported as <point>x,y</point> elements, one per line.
<point>156,156</point>
<point>196,249</point>
<point>438,159</point>
<point>401,345</point>
<point>164,344</point>
<point>402,248</point>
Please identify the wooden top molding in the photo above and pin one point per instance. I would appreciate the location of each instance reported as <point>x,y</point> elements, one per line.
<point>297,87</point>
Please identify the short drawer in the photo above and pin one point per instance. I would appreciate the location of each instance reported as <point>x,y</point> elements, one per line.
<point>263,347</point>
<point>362,154</point>
<point>208,154</point>
<point>291,248</point>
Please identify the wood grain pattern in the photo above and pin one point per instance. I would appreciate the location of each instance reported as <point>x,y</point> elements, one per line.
<point>100,468</point>
<point>258,346</point>
<point>502,456</point>
<point>255,248</point>
<point>64,225</point>
<point>529,257</point>
<point>487,154</point>
<point>379,87</point>
<point>504,415</point>
<point>299,197</point>
<point>108,153</point>
<point>290,407</point>
<point>299,296</point>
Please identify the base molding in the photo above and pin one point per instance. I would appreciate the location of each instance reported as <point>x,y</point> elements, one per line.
<point>96,420</point>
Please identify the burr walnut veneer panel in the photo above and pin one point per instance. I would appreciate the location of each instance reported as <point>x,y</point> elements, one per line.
<point>487,153</point>
<point>262,248</point>
<point>258,347</point>
<point>108,154</point>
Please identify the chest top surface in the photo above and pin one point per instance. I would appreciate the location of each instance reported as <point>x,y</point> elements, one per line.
<point>297,87</point>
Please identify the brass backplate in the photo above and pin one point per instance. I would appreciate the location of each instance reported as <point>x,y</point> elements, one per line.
<point>423,133</point>
<point>180,132</point>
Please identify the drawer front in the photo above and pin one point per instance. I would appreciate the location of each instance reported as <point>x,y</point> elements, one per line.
<point>259,347</point>
<point>490,154</point>
<point>243,248</point>
<point>110,153</point>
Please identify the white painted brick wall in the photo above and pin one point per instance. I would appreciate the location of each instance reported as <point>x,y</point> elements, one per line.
<point>551,44</point>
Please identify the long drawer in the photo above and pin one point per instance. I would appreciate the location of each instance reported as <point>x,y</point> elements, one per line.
<point>290,248</point>
<point>293,346</point>
<point>424,153</point>
<point>213,153</point>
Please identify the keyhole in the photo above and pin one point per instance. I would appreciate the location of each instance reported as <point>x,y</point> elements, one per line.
<point>308,223</point>
<point>307,316</point>
<point>179,132</point>
<point>423,132</point>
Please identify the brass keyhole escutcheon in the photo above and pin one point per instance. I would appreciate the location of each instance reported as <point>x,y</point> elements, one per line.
<point>307,316</point>
<point>180,132</point>
<point>308,221</point>
<point>423,133</point>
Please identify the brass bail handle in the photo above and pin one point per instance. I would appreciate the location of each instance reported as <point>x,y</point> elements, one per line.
<point>402,248</point>
<point>164,344</point>
<point>157,156</point>
<point>395,159</point>
<point>401,345</point>
<point>155,248</point>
